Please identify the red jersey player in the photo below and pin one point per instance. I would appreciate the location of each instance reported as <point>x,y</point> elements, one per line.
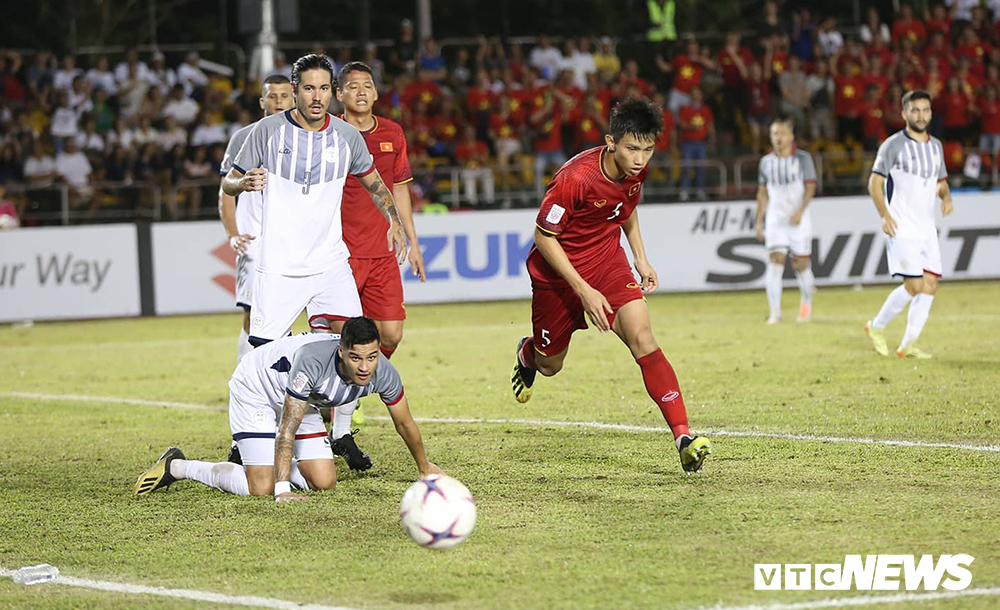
<point>579,270</point>
<point>375,268</point>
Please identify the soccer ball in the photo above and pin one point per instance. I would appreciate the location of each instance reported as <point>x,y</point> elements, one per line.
<point>438,512</point>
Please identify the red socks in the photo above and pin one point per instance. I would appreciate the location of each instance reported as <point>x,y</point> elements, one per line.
<point>661,383</point>
<point>528,354</point>
<point>387,351</point>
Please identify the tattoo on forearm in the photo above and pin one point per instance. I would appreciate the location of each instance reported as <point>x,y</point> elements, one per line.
<point>384,202</point>
<point>291,416</point>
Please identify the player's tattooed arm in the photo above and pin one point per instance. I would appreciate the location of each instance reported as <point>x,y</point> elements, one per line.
<point>382,197</point>
<point>292,413</point>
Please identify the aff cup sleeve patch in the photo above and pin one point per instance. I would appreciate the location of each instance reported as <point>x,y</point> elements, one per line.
<point>555,214</point>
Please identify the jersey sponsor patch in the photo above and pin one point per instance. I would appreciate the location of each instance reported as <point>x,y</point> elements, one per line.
<point>300,381</point>
<point>385,146</point>
<point>555,214</point>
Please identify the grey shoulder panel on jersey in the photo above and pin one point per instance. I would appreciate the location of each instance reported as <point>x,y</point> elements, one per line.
<point>806,165</point>
<point>361,159</point>
<point>942,171</point>
<point>387,383</point>
<point>310,365</point>
<point>762,172</point>
<point>233,148</point>
<point>252,153</point>
<point>887,153</point>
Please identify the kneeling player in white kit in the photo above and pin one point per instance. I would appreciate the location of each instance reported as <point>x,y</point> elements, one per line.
<point>242,223</point>
<point>908,176</point>
<point>274,399</point>
<point>787,184</point>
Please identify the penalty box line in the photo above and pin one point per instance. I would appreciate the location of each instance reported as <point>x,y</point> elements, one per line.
<point>542,423</point>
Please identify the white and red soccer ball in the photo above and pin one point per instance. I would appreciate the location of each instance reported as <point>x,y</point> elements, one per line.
<point>438,512</point>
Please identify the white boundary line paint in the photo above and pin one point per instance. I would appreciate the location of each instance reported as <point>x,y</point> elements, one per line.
<point>278,604</point>
<point>542,423</point>
<point>200,596</point>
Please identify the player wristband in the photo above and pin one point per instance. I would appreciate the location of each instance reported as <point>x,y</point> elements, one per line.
<point>282,487</point>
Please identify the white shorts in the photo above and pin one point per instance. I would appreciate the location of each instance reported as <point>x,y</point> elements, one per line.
<point>782,236</point>
<point>254,423</point>
<point>279,299</point>
<point>913,257</point>
<point>246,269</point>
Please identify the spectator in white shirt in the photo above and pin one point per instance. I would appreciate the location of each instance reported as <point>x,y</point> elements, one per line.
<point>579,62</point>
<point>191,76</point>
<point>205,134</point>
<point>282,67</point>
<point>121,136</point>
<point>160,76</point>
<point>101,77</point>
<point>182,108</point>
<point>39,168</point>
<point>145,134</point>
<point>65,122</point>
<point>74,168</point>
<point>62,80</point>
<point>79,96</point>
<point>546,58</point>
<point>830,40</point>
<point>172,134</point>
<point>124,70</point>
<point>89,140</point>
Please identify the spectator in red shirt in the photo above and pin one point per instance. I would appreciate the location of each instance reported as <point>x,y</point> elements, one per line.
<point>907,26</point>
<point>474,158</point>
<point>733,59</point>
<point>547,119</point>
<point>881,49</point>
<point>971,48</point>
<point>969,80</point>
<point>505,132</point>
<point>875,76</point>
<point>667,142</point>
<point>937,20</point>
<point>990,113</point>
<point>872,119</point>
<point>590,124</point>
<point>758,94</point>
<point>687,69</point>
<point>958,111</point>
<point>847,97</point>
<point>892,109</point>
<point>697,125</point>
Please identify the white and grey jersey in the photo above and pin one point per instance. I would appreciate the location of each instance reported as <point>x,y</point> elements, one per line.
<point>248,205</point>
<point>912,170</point>
<point>785,179</point>
<point>305,367</point>
<point>301,232</point>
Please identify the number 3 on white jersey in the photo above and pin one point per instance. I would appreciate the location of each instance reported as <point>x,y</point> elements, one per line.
<point>616,211</point>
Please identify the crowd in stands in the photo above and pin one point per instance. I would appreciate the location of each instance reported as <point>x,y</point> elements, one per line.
<point>513,114</point>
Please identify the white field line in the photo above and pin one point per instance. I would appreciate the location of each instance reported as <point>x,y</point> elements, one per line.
<point>542,423</point>
<point>200,596</point>
<point>278,604</point>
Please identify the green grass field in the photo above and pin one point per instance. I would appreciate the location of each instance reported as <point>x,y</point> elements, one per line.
<point>569,517</point>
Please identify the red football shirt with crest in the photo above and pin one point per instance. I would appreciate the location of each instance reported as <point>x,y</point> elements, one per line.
<point>585,210</point>
<point>364,226</point>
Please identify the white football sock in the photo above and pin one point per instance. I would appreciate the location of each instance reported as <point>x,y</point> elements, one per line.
<point>341,419</point>
<point>920,309</point>
<point>772,284</point>
<point>807,285</point>
<point>894,303</point>
<point>224,476</point>
<point>296,479</point>
<point>243,347</point>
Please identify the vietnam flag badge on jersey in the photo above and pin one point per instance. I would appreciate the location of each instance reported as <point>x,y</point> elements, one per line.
<point>385,146</point>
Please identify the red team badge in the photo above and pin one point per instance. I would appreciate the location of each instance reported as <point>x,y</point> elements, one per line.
<point>385,146</point>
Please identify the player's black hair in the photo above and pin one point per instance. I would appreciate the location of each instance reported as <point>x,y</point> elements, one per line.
<point>916,94</point>
<point>274,79</point>
<point>784,118</point>
<point>638,116</point>
<point>359,331</point>
<point>352,66</point>
<point>310,62</point>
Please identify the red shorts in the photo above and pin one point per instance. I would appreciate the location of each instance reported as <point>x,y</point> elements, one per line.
<point>380,287</point>
<point>557,312</point>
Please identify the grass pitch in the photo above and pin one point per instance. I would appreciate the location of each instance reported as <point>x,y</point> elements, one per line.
<point>569,517</point>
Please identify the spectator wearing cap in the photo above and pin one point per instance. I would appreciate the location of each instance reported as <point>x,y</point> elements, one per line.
<point>191,77</point>
<point>606,60</point>
<point>101,77</point>
<point>160,76</point>
<point>403,57</point>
